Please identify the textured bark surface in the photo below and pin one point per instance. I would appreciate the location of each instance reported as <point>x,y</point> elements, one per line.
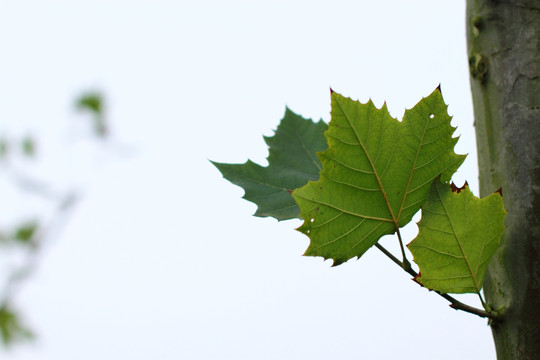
<point>504,60</point>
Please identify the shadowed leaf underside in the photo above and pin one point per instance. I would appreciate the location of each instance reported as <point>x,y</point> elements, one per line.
<point>292,162</point>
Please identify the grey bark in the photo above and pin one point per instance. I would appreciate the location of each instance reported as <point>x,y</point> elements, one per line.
<point>503,39</point>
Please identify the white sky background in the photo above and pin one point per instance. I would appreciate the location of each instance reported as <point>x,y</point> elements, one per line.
<point>162,259</point>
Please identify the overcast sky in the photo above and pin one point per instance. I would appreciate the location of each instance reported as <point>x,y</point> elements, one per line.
<point>162,258</point>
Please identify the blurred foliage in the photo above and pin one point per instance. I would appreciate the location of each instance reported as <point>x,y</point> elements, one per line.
<point>11,328</point>
<point>22,234</point>
<point>26,145</point>
<point>4,147</point>
<point>93,103</point>
<point>25,232</point>
<point>28,237</point>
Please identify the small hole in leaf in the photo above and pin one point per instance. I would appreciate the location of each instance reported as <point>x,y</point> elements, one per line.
<point>431,116</point>
<point>312,220</point>
<point>307,232</point>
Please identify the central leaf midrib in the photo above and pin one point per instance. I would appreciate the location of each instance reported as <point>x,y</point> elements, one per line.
<point>458,241</point>
<point>396,225</point>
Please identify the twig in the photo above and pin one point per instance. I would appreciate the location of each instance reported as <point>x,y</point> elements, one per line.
<point>454,303</point>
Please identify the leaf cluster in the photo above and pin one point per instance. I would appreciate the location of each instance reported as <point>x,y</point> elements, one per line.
<point>27,238</point>
<point>364,176</point>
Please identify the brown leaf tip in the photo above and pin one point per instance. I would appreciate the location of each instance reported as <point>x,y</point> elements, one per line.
<point>290,191</point>
<point>499,190</point>
<point>415,279</point>
<point>456,189</point>
<point>331,91</point>
<point>439,88</point>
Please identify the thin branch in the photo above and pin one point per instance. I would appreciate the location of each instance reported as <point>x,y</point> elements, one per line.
<point>28,183</point>
<point>454,303</point>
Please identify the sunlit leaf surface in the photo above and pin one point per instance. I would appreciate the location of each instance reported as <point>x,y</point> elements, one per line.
<point>376,174</point>
<point>458,235</point>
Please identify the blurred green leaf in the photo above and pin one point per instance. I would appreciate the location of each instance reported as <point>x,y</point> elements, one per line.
<point>11,328</point>
<point>28,146</point>
<point>4,147</point>
<point>26,231</point>
<point>93,102</point>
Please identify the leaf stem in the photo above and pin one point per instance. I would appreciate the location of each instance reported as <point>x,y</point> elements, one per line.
<point>481,299</point>
<point>454,303</point>
<point>406,265</point>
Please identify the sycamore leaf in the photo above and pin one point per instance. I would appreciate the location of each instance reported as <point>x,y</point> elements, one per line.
<point>458,235</point>
<point>376,174</point>
<point>292,162</point>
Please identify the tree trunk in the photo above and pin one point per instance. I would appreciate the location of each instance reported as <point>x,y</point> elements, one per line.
<point>503,38</point>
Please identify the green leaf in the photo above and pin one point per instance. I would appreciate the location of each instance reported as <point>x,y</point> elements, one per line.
<point>93,102</point>
<point>376,174</point>
<point>458,235</point>
<point>292,162</point>
<point>26,231</point>
<point>11,328</point>
<point>28,145</point>
<point>4,147</point>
